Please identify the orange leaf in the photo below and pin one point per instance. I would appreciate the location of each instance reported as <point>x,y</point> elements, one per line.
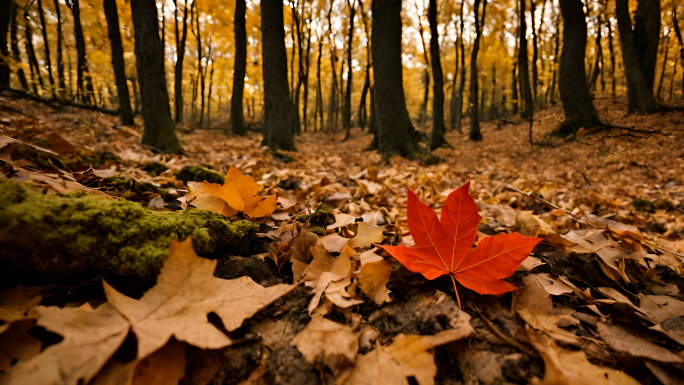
<point>443,247</point>
<point>240,192</point>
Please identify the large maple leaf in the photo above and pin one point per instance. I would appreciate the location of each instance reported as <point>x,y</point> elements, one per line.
<point>239,193</point>
<point>444,246</point>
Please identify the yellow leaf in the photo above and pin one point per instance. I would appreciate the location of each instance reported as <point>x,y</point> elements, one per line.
<point>240,192</point>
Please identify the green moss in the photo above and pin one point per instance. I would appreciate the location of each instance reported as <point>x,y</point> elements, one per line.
<point>91,234</point>
<point>130,189</point>
<point>199,174</point>
<point>318,221</point>
<point>642,204</point>
<point>43,160</point>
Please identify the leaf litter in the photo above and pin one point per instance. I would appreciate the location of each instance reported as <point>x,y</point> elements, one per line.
<point>598,300</point>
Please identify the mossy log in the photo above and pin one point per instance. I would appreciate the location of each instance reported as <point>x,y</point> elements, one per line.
<point>87,235</point>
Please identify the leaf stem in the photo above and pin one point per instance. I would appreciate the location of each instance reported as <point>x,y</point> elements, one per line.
<point>455,290</point>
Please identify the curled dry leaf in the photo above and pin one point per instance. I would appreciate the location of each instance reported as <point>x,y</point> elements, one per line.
<point>624,342</point>
<point>185,293</point>
<point>373,279</point>
<point>240,194</point>
<point>567,367</point>
<point>443,246</point>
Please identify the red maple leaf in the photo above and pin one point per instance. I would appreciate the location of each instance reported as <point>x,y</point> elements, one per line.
<point>444,246</point>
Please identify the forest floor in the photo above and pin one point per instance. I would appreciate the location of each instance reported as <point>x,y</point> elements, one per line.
<point>599,300</point>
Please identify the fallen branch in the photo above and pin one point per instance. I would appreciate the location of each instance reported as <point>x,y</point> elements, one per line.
<point>56,103</point>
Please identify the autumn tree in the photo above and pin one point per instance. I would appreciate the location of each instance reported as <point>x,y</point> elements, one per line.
<point>346,108</point>
<point>639,52</point>
<point>523,65</point>
<point>159,127</point>
<point>180,57</point>
<point>279,118</point>
<point>84,91</point>
<point>577,101</point>
<point>112,16</point>
<point>395,132</point>
<point>5,13</point>
<point>61,81</point>
<point>474,108</point>
<point>240,67</point>
<point>438,131</point>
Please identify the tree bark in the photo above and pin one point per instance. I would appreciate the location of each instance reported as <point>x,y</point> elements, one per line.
<point>278,112</point>
<point>201,69</point>
<point>662,71</point>
<point>346,108</point>
<point>612,58</point>
<point>180,57</point>
<point>556,59</point>
<point>46,46</point>
<point>112,15</point>
<point>363,112</point>
<point>535,50</point>
<point>598,59</point>
<point>319,88</point>
<point>577,104</point>
<point>61,82</point>
<point>474,108</point>
<point>159,128</point>
<point>523,66</point>
<point>306,75</point>
<point>395,132</point>
<point>454,86</point>
<point>240,67</point>
<point>461,86</point>
<point>437,139</point>
<point>31,52</point>
<point>332,105</point>
<point>639,52</point>
<point>15,50</point>
<point>678,33</point>
<point>426,74</point>
<point>83,93</point>
<point>5,15</point>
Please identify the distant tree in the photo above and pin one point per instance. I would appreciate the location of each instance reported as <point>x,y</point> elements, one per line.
<point>61,81</point>
<point>240,66</point>
<point>395,132</point>
<point>180,57</point>
<point>639,52</point>
<point>85,92</point>
<point>279,119</point>
<point>159,127</point>
<point>474,108</point>
<point>572,81</point>
<point>14,32</point>
<point>346,107</point>
<point>438,131</point>
<point>523,65</point>
<point>5,14</point>
<point>46,46</point>
<point>112,15</point>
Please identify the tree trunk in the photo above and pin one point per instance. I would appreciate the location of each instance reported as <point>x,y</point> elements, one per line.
<point>46,46</point>
<point>278,112</point>
<point>599,55</point>
<point>579,109</point>
<point>15,50</point>
<point>524,72</point>
<point>678,32</point>
<point>319,87</point>
<point>363,112</point>
<point>180,57</point>
<point>426,74</point>
<point>240,67</point>
<point>112,15</point>
<point>438,131</point>
<point>332,105</point>
<point>346,108</point>
<point>474,109</point>
<point>612,57</point>
<point>61,82</point>
<point>461,86</point>
<point>535,50</point>
<point>31,52</point>
<point>453,103</point>
<point>201,69</point>
<point>83,93</point>
<point>556,59</point>
<point>300,67</point>
<point>159,128</point>
<point>395,132</point>
<point>5,15</point>
<point>639,52</point>
<point>211,86</point>
<point>662,71</point>
<point>306,75</point>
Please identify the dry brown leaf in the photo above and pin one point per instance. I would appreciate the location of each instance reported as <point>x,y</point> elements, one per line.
<point>553,285</point>
<point>17,343</point>
<point>337,293</point>
<point>14,303</point>
<point>335,342</point>
<point>373,279</point>
<point>567,367</point>
<point>366,234</point>
<point>185,293</point>
<point>240,192</point>
<point>658,308</point>
<point>376,367</point>
<point>90,335</point>
<point>624,342</point>
<point>166,366</point>
<point>673,328</point>
<point>203,201</point>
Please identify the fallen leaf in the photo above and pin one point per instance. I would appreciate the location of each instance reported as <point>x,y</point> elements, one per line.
<point>373,279</point>
<point>166,366</point>
<point>240,192</point>
<point>624,342</point>
<point>14,303</point>
<point>336,342</point>
<point>673,328</point>
<point>444,247</point>
<point>185,293</point>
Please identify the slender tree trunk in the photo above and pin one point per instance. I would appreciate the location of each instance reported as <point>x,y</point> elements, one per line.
<point>577,104</point>
<point>5,17</point>
<point>211,86</point>
<point>556,59</point>
<point>180,57</point>
<point>332,106</point>
<point>346,108</point>
<point>426,74</point>
<point>453,103</point>
<point>678,33</point>
<point>639,52</point>
<point>300,67</point>
<point>539,35</point>
<point>612,58</point>
<point>535,50</point>
<point>292,59</point>
<point>662,71</point>
<point>112,15</point>
<point>84,92</point>
<point>278,112</point>
<point>201,69</point>
<point>46,46</point>
<point>306,75</point>
<point>474,109</point>
<point>363,112</point>
<point>14,38</point>
<point>395,132</point>
<point>61,83</point>
<point>31,52</point>
<point>159,127</point>
<point>437,139</point>
<point>524,75</point>
<point>598,59</point>
<point>240,67</point>
<point>461,86</point>
<point>319,87</point>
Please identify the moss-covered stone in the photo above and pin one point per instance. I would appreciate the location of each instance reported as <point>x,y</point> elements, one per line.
<point>318,221</point>
<point>199,174</point>
<point>87,234</point>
